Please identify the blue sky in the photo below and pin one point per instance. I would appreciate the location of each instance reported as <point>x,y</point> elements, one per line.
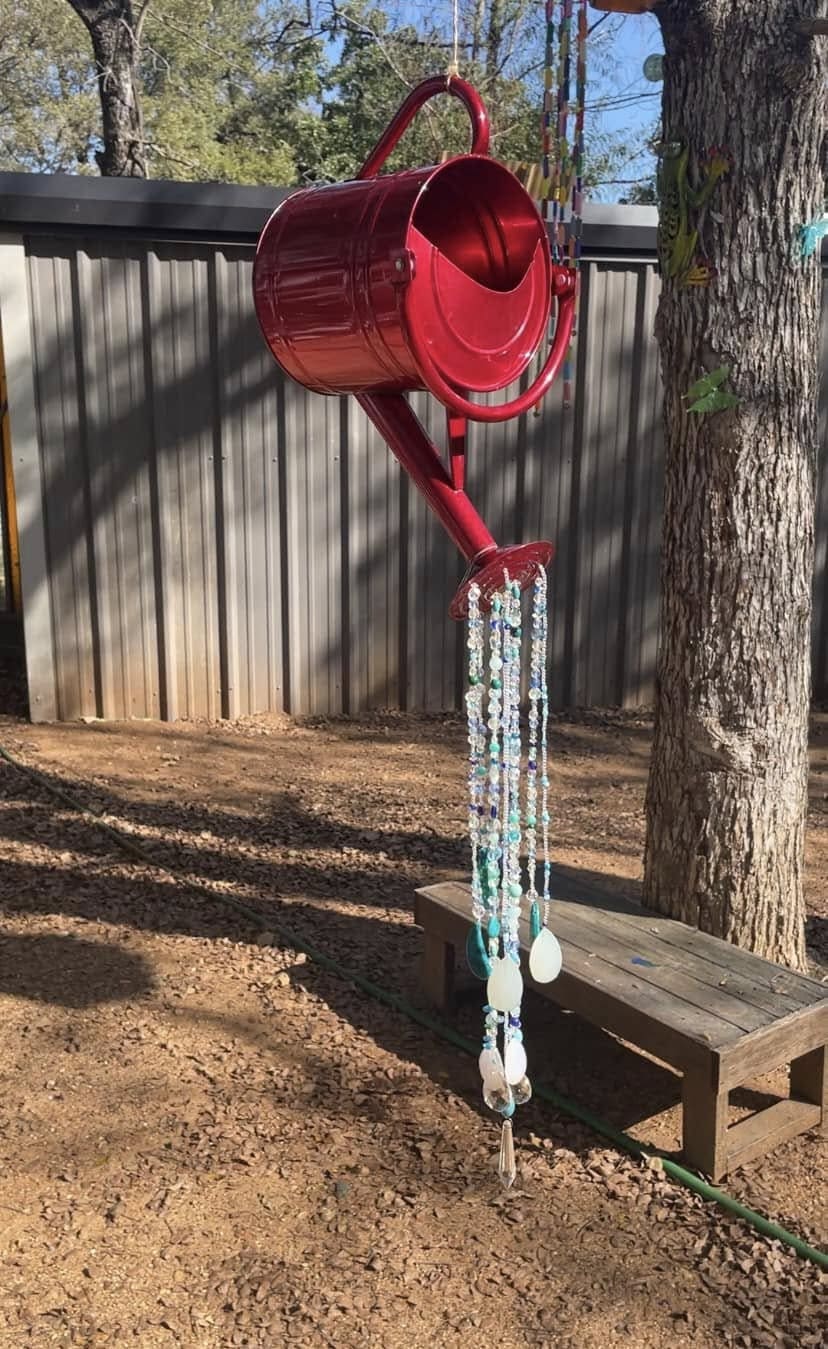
<point>636,100</point>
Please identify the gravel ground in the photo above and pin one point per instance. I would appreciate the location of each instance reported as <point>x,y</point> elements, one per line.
<point>207,1140</point>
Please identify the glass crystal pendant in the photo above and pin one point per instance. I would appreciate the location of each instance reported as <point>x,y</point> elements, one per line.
<point>506,1167</point>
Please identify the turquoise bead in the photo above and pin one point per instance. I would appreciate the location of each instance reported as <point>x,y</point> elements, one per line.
<point>515,891</point>
<point>494,927</point>
<point>534,920</point>
<point>476,956</point>
<point>531,820</point>
<point>507,1110</point>
<point>496,683</point>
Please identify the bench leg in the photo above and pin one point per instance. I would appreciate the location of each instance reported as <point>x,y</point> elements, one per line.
<point>809,1080</point>
<point>704,1125</point>
<point>437,970</point>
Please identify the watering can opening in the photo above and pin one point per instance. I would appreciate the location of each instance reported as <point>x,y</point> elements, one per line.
<point>479,217</point>
<point>479,295</point>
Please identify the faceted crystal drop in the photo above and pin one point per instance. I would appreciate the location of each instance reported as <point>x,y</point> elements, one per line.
<point>476,956</point>
<point>505,987</point>
<point>545,958</point>
<point>491,1065</point>
<point>515,1061</point>
<point>506,1167</point>
<point>522,1091</point>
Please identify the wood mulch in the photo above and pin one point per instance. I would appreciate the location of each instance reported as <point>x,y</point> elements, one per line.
<point>208,1140</point>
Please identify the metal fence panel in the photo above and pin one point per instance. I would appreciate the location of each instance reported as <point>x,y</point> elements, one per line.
<point>220,542</point>
<point>250,501</point>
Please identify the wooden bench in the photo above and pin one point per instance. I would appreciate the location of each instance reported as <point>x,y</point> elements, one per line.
<point>718,1015</point>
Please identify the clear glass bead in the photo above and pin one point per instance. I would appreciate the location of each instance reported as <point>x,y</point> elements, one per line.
<point>522,1091</point>
<point>497,1094</point>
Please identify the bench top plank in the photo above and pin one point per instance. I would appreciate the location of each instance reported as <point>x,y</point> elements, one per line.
<point>683,1004</point>
<point>591,987</point>
<point>578,925</point>
<point>709,958</point>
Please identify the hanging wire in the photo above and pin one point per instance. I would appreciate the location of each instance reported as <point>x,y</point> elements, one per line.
<point>454,64</point>
<point>562,160</point>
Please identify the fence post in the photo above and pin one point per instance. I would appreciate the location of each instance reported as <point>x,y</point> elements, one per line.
<point>15,318</point>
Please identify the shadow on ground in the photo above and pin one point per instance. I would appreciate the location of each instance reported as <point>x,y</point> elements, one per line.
<point>69,971</point>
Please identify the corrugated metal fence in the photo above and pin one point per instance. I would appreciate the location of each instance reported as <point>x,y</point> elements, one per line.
<point>201,538</point>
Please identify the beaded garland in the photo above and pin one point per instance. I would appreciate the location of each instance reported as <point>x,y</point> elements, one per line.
<point>503,816</point>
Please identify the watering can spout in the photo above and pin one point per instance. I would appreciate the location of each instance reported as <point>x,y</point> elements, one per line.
<point>489,565</point>
<point>519,562</point>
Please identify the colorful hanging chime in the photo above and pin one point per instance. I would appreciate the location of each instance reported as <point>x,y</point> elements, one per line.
<point>505,806</point>
<point>563,163</point>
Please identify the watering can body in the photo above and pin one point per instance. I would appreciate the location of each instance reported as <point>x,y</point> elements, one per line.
<point>437,278</point>
<point>356,281</point>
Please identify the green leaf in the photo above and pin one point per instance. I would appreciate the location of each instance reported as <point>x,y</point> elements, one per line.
<point>715,401</point>
<point>708,383</point>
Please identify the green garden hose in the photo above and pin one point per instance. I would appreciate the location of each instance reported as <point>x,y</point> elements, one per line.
<point>623,1141</point>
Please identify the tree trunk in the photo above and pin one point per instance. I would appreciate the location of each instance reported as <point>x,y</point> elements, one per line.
<point>494,40</point>
<point>115,33</point>
<point>727,793</point>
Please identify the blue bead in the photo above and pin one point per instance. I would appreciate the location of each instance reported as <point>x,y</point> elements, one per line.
<point>508,1110</point>
<point>476,955</point>
<point>534,921</point>
<point>515,891</point>
<point>494,927</point>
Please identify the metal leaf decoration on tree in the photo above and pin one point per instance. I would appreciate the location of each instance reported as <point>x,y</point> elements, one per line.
<point>707,394</point>
<point>716,401</point>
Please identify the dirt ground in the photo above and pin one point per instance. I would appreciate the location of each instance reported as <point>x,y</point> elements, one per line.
<point>208,1140</point>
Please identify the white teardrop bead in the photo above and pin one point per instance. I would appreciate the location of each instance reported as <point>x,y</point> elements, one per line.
<point>504,989</point>
<point>490,1064</point>
<point>545,957</point>
<point>515,1062</point>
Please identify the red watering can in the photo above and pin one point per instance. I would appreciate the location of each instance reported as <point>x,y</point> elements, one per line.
<point>438,279</point>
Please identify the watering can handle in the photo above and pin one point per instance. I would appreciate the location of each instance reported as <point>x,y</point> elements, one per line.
<point>430,88</point>
<point>564,286</point>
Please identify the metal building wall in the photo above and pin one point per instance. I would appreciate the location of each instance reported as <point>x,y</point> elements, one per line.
<point>216,541</point>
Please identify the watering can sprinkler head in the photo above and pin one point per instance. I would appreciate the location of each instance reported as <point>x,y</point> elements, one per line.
<point>438,279</point>
<point>519,562</point>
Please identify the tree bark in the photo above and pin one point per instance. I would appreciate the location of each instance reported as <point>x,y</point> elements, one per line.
<point>727,792</point>
<point>114,27</point>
